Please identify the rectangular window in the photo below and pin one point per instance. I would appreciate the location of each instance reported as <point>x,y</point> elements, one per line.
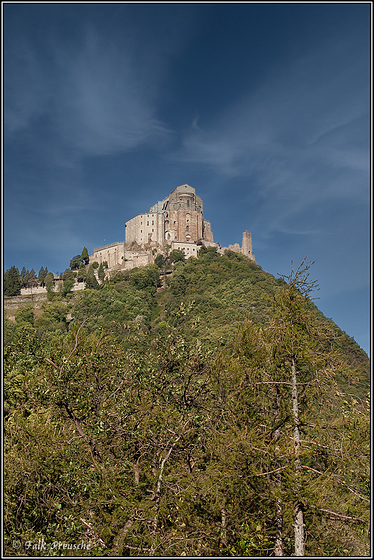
<point>147,223</point>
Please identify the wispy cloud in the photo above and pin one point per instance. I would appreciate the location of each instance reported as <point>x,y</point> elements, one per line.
<point>302,135</point>
<point>91,99</point>
<point>105,105</point>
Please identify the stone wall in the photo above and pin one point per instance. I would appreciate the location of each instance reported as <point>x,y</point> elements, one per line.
<point>189,249</point>
<point>113,254</point>
<point>40,290</point>
<point>145,228</point>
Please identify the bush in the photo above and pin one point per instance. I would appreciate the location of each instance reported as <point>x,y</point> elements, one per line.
<point>25,314</point>
<point>177,255</point>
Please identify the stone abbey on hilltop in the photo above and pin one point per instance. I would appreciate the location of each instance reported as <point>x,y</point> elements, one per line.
<point>176,222</point>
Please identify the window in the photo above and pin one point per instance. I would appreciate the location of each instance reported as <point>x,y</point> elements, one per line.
<point>153,223</point>
<point>187,228</point>
<point>188,203</point>
<point>148,223</point>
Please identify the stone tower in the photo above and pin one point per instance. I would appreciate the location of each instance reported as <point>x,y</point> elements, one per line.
<point>184,215</point>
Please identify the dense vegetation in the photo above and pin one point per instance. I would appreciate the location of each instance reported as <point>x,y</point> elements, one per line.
<point>213,411</point>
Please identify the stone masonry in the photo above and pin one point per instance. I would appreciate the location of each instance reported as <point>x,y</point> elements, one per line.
<point>176,222</point>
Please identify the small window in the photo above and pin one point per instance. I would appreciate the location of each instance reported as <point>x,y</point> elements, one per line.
<point>153,223</point>
<point>188,203</point>
<point>187,228</point>
<point>147,223</point>
<point>153,230</point>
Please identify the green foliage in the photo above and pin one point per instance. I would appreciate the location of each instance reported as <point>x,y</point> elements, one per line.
<point>84,256</point>
<point>147,277</point>
<point>42,275</point>
<point>25,277</point>
<point>171,423</point>
<point>53,317</point>
<point>160,261</point>
<point>49,284</point>
<point>101,273</point>
<point>12,282</point>
<point>69,275</point>
<point>91,281</point>
<point>82,275</point>
<point>25,314</point>
<point>221,292</point>
<point>75,262</point>
<point>95,265</point>
<point>177,255</point>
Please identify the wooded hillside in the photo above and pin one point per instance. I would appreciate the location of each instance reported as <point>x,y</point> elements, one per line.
<point>213,411</point>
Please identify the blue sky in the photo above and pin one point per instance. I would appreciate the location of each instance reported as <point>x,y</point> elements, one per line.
<point>263,108</point>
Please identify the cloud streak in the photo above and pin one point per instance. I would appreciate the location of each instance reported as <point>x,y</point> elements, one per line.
<point>302,135</point>
<point>95,102</point>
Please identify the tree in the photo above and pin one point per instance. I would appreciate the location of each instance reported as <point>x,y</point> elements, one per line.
<point>160,261</point>
<point>12,283</point>
<point>177,255</point>
<point>25,314</point>
<point>146,277</point>
<point>24,277</point>
<point>75,262</point>
<point>208,253</point>
<point>82,274</point>
<point>42,274</point>
<point>84,256</point>
<point>101,273</point>
<point>53,317</point>
<point>300,368</point>
<point>68,281</point>
<point>91,281</point>
<point>49,283</point>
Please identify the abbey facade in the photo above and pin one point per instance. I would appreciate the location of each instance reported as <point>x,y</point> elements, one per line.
<point>176,222</point>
